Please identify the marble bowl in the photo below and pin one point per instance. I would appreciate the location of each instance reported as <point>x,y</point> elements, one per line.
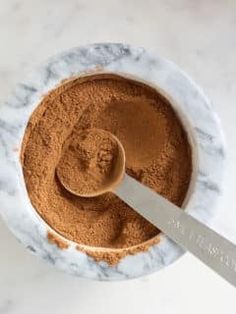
<point>188,100</point>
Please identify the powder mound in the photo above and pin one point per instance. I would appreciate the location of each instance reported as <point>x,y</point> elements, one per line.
<point>156,148</point>
<point>88,162</point>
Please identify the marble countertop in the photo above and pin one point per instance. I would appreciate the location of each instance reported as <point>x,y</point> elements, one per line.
<point>200,38</point>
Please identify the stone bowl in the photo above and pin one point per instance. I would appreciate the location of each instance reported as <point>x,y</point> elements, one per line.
<point>189,102</point>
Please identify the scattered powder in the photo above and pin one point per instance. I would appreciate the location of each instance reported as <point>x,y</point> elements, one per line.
<point>113,256</point>
<point>88,162</point>
<point>54,239</point>
<point>157,154</point>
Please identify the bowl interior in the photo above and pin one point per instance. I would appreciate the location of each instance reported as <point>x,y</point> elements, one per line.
<point>190,136</point>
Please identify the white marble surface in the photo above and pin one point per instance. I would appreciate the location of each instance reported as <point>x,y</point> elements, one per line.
<point>30,31</point>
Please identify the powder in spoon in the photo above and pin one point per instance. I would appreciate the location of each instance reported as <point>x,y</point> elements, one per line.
<point>157,154</point>
<point>88,162</point>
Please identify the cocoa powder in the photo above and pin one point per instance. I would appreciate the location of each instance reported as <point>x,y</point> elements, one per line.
<point>54,239</point>
<point>88,162</point>
<point>157,154</point>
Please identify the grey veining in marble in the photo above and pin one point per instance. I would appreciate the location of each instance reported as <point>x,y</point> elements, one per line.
<point>16,209</point>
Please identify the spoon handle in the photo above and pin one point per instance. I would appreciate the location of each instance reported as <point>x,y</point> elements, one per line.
<point>210,247</point>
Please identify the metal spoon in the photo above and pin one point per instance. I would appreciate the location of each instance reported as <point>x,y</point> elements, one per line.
<point>211,248</point>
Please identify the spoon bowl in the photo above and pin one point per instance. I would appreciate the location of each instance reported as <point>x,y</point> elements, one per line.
<point>112,179</point>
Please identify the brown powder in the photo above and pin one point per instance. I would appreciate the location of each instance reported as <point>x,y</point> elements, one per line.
<point>88,162</point>
<point>54,239</point>
<point>113,256</point>
<point>157,154</point>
